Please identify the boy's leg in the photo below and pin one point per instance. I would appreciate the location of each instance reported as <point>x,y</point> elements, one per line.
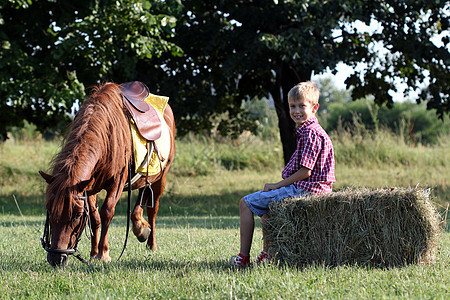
<point>266,242</point>
<point>264,256</point>
<point>247,227</point>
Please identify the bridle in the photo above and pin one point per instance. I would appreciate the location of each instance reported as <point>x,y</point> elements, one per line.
<point>45,240</point>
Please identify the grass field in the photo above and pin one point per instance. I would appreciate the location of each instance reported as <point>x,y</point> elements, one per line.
<point>192,264</point>
<point>197,227</point>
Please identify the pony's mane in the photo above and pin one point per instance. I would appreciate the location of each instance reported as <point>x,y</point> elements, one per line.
<point>97,143</point>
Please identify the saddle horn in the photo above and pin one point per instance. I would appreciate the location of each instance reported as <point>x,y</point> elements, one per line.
<point>136,92</point>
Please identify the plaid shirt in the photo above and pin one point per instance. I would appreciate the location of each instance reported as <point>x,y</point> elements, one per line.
<point>315,152</point>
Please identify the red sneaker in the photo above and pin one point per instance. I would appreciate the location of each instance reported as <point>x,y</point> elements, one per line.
<point>264,257</point>
<point>240,261</point>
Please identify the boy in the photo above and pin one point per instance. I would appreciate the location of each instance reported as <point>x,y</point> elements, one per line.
<point>310,170</point>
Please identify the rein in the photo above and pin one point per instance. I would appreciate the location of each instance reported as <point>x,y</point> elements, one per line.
<point>128,210</point>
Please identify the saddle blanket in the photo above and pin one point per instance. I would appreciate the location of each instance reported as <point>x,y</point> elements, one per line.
<point>162,144</point>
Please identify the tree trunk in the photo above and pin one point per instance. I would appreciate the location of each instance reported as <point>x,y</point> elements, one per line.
<point>287,78</point>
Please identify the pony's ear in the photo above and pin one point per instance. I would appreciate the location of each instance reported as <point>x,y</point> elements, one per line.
<point>83,184</point>
<point>48,178</point>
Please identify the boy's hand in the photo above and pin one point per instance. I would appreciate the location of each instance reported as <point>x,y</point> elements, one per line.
<point>270,186</point>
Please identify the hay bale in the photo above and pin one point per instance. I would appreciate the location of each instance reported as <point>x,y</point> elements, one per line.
<point>381,228</point>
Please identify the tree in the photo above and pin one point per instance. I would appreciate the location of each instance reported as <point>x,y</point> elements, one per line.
<point>236,50</point>
<point>52,50</point>
<point>210,56</point>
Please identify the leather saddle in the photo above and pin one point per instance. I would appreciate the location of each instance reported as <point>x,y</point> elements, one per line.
<point>144,115</point>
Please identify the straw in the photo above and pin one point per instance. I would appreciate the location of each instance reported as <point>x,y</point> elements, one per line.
<point>387,227</point>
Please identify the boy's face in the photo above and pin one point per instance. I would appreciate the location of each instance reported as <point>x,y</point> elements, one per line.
<point>301,110</point>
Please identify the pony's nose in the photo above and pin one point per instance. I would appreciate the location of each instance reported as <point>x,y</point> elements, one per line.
<point>57,260</point>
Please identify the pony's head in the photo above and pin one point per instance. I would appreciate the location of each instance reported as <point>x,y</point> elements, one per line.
<point>67,215</point>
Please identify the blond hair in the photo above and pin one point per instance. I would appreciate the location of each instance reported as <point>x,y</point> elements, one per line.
<point>305,90</point>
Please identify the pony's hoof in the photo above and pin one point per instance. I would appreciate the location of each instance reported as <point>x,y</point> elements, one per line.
<point>144,236</point>
<point>152,247</point>
<point>105,258</point>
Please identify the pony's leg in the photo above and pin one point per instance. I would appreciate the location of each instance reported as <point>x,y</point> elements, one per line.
<point>141,228</point>
<point>106,214</point>
<point>95,224</point>
<point>158,189</point>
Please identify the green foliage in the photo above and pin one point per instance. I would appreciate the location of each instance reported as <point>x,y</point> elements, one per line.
<point>329,94</point>
<point>413,122</point>
<point>50,52</point>
<point>409,55</point>
<point>26,133</point>
<point>265,116</point>
<point>364,148</point>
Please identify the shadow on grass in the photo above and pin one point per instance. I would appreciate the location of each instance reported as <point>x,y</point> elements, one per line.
<point>225,204</point>
<point>177,268</point>
<point>170,204</point>
<point>16,204</point>
<point>166,222</point>
<point>25,223</point>
<point>177,210</point>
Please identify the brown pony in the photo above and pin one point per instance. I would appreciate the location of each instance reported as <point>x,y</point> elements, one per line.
<point>95,157</point>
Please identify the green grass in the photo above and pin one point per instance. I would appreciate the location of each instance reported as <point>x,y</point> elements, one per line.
<point>198,227</point>
<point>192,264</point>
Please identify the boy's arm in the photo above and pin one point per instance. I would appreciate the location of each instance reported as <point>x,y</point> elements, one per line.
<point>301,174</point>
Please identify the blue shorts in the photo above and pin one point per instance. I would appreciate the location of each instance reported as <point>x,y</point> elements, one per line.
<point>259,202</point>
